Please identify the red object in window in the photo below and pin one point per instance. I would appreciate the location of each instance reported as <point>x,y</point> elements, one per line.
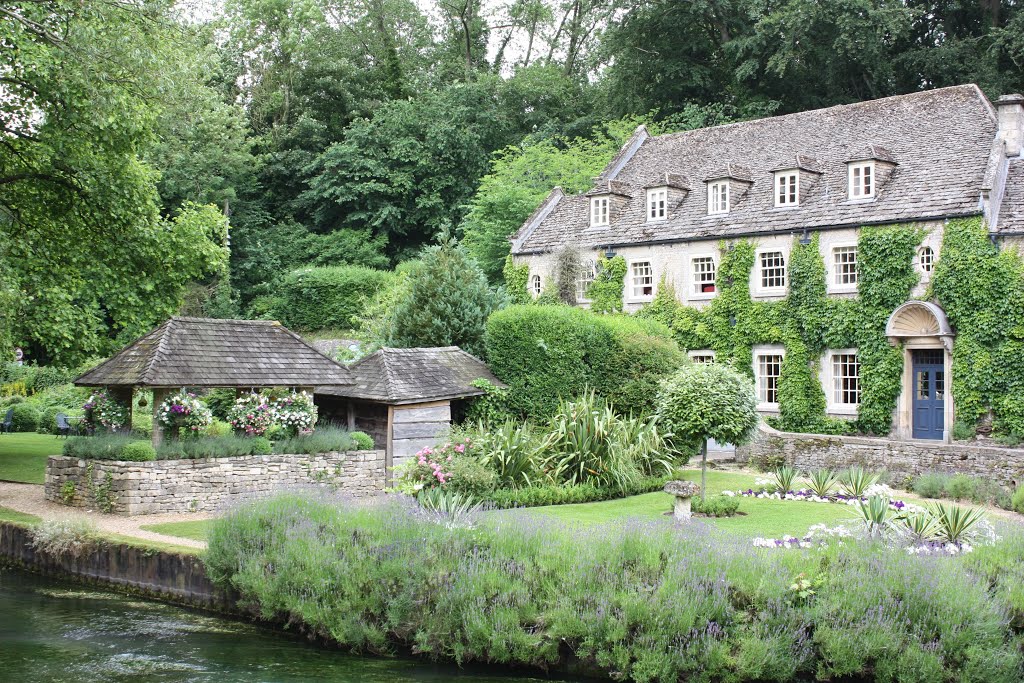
<point>707,288</point>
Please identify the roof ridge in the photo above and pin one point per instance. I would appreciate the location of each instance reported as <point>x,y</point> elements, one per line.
<point>835,107</point>
<point>161,332</point>
<point>386,375</point>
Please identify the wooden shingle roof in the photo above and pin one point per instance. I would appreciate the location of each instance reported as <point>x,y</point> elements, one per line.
<point>206,352</point>
<point>398,376</point>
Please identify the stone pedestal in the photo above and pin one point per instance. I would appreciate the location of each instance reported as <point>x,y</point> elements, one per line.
<point>684,491</point>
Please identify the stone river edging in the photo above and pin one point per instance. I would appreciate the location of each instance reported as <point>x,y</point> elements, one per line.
<point>173,577</point>
<point>205,485</point>
<point>897,457</point>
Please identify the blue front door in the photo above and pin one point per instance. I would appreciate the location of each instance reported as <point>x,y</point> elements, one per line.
<point>929,394</point>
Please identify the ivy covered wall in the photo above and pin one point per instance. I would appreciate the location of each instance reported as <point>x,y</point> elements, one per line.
<point>807,322</point>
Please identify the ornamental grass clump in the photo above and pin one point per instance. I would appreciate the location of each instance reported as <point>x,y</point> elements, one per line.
<point>856,481</point>
<point>640,601</point>
<point>784,478</point>
<point>822,483</point>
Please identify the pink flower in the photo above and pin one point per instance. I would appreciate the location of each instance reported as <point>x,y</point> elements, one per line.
<point>460,448</point>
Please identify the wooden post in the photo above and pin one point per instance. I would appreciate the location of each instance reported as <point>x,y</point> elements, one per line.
<point>158,429</point>
<point>389,452</point>
<point>351,415</point>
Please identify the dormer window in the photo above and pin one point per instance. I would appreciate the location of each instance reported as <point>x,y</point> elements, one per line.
<point>718,197</point>
<point>598,211</point>
<point>657,204</point>
<point>862,180</point>
<point>787,188</point>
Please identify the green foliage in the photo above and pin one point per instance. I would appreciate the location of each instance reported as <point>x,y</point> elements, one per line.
<point>538,495</point>
<point>25,418</point>
<point>103,446</point>
<point>701,402</point>
<point>870,606</point>
<point>1017,502</point>
<point>855,481</point>
<point>220,402</point>
<point>822,482</point>
<point>492,408</point>
<point>605,292</point>
<point>931,485</point>
<point>214,447</point>
<point>363,441</point>
<point>326,298</point>
<point>446,301</point>
<point>513,450</point>
<point>962,487</point>
<point>716,506</point>
<point>981,288</point>
<point>323,440</point>
<point>137,451</point>
<point>544,353</point>
<point>516,280</point>
<point>785,477</point>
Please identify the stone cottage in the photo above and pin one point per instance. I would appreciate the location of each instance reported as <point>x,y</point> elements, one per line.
<point>672,206</point>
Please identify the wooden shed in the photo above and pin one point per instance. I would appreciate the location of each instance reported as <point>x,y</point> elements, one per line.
<point>210,353</point>
<point>405,398</point>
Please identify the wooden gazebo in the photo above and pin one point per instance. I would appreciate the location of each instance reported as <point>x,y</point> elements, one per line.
<point>208,353</point>
<point>405,398</point>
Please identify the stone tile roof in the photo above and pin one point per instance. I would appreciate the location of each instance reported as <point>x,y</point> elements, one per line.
<point>414,376</point>
<point>206,352</point>
<point>938,140</point>
<point>1011,212</point>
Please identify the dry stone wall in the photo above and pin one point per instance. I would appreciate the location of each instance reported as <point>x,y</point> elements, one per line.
<point>139,488</point>
<point>899,458</point>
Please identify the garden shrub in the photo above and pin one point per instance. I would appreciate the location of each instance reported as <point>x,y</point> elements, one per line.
<point>363,441</point>
<point>546,353</point>
<point>220,402</point>
<point>213,447</point>
<point>218,428</point>
<point>326,298</point>
<point>552,494</point>
<point>323,440</point>
<point>104,446</point>
<point>716,506</point>
<point>1017,502</point>
<point>642,601</point>
<point>48,420</point>
<point>960,487</point>
<point>25,418</point>
<point>139,451</point>
<point>468,476</point>
<point>931,485</point>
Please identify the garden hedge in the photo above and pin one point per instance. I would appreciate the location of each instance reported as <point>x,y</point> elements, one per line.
<point>549,352</point>
<point>327,298</point>
<point>25,418</point>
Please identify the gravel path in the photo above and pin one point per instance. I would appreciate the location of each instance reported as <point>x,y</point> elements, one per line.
<point>28,498</point>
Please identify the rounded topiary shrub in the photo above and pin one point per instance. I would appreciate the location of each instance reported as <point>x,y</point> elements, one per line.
<point>138,451</point>
<point>363,441</point>
<point>260,445</point>
<point>25,418</point>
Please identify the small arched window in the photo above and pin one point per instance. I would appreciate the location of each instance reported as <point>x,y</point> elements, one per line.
<point>535,286</point>
<point>926,259</point>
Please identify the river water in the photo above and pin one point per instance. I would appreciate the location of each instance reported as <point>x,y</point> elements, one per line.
<point>53,631</point>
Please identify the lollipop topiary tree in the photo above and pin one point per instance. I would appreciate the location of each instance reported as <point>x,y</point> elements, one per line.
<point>707,401</point>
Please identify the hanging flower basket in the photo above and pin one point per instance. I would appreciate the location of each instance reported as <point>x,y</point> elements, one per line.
<point>296,413</point>
<point>104,412</point>
<point>252,415</point>
<point>184,414</point>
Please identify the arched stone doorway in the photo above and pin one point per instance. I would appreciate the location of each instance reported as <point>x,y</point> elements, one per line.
<point>925,406</point>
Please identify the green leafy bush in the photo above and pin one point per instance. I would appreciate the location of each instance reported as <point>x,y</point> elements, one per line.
<point>139,451</point>
<point>468,476</point>
<point>326,298</point>
<point>25,418</point>
<point>513,450</point>
<point>1017,502</point>
<point>546,353</point>
<point>48,420</point>
<point>716,506</point>
<point>552,494</point>
<point>931,485</point>
<point>218,428</point>
<point>213,447</point>
<point>220,402</point>
<point>962,487</point>
<point>363,441</point>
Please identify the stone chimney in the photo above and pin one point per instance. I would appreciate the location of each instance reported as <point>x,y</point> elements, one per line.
<point>1011,122</point>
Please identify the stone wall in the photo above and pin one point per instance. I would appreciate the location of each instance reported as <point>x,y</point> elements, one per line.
<point>138,488</point>
<point>899,458</point>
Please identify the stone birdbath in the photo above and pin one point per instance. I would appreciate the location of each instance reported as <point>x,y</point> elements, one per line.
<point>683,491</point>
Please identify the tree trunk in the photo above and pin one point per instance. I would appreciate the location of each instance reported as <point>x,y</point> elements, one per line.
<point>703,469</point>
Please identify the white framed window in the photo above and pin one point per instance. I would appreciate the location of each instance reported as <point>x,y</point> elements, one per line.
<point>862,180</point>
<point>535,285</point>
<point>703,356</point>
<point>926,260</point>
<point>598,211</point>
<point>787,188</point>
<point>657,204</point>
<point>704,271</point>
<point>771,270</point>
<point>844,369</point>
<point>718,197</point>
<point>641,280</point>
<point>588,272</point>
<point>767,371</point>
<point>844,267</point>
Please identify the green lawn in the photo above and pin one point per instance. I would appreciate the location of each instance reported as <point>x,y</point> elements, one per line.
<point>766,518</point>
<point>194,530</point>
<point>9,515</point>
<point>23,456</point>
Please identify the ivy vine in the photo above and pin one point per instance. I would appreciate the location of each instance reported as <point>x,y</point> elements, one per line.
<point>605,292</point>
